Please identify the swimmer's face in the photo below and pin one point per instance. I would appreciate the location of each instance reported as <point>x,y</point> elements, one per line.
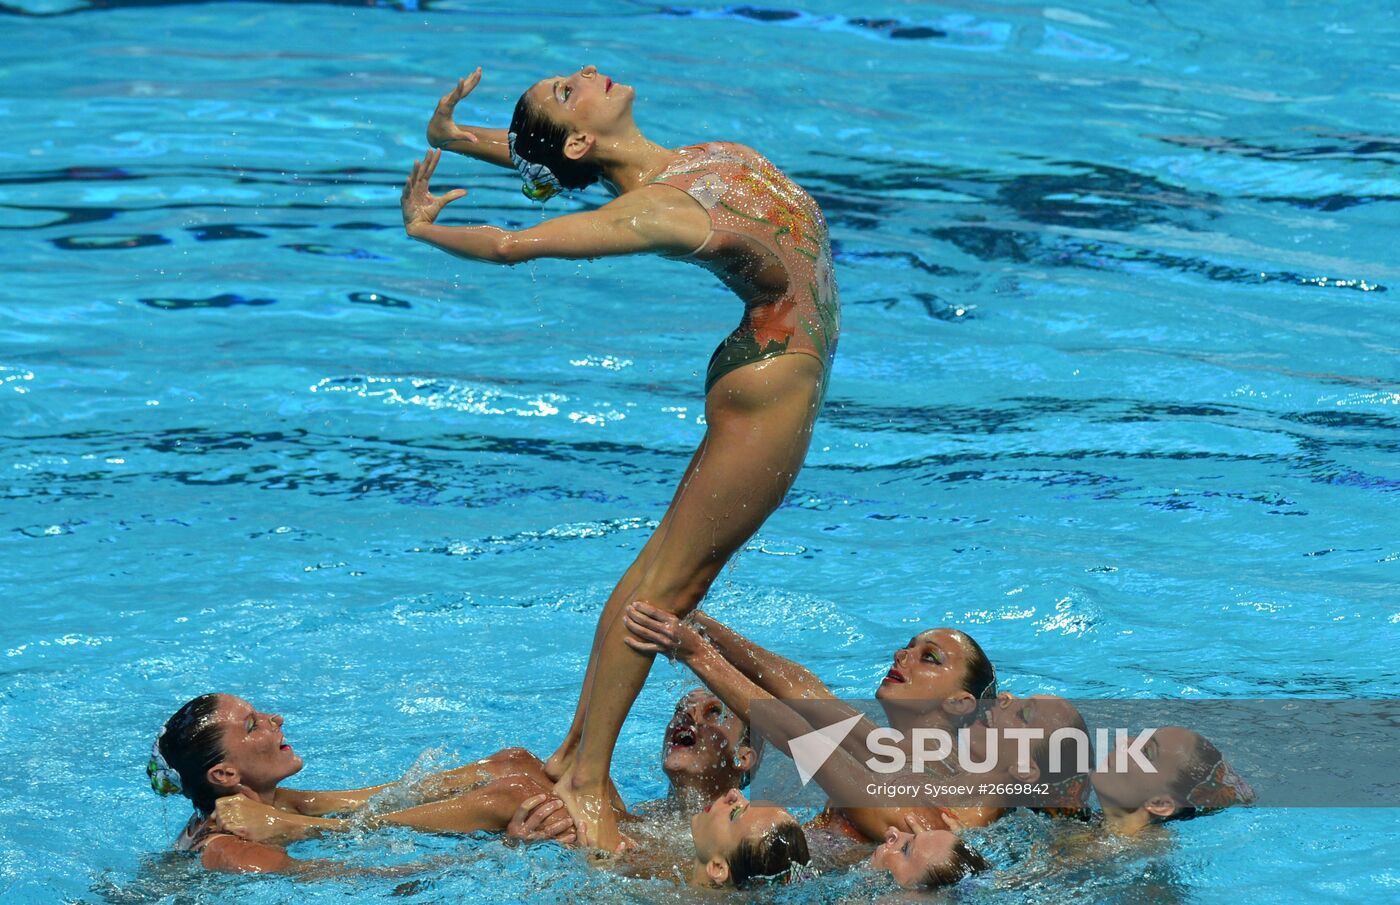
<point>1046,712</point>
<point>908,857</point>
<point>725,822</point>
<point>587,101</point>
<point>256,753</point>
<point>1127,786</point>
<point>704,743</point>
<point>932,668</point>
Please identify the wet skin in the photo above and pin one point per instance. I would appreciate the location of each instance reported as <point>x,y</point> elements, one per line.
<point>727,821</point>
<point>1126,785</point>
<point>256,754</point>
<point>907,857</point>
<point>703,750</point>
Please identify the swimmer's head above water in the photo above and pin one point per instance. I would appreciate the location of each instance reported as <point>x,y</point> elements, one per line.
<point>707,748</point>
<point>737,842</point>
<point>1192,778</point>
<point>1049,714</point>
<point>215,744</point>
<point>927,859</point>
<point>560,123</point>
<point>942,669</point>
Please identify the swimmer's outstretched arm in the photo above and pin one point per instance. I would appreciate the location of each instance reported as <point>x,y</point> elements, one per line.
<point>844,776</point>
<point>782,678</point>
<point>515,805</point>
<point>779,676</point>
<point>489,145</point>
<point>655,219</point>
<point>506,762</point>
<point>657,632</point>
<point>319,803</point>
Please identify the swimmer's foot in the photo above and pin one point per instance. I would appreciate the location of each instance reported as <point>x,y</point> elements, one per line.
<point>592,812</point>
<point>560,761</point>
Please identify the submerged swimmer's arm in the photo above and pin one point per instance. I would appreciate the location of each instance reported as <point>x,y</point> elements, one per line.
<point>489,145</point>
<point>234,855</point>
<point>230,854</point>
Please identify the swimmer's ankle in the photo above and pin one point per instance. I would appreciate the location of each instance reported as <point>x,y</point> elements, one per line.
<point>580,782</point>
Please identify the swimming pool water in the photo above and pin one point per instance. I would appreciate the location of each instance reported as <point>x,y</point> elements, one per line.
<point>1117,393</point>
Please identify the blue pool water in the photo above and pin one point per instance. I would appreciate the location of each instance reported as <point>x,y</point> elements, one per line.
<point>1117,392</point>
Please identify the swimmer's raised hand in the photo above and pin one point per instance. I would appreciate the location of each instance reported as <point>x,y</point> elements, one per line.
<point>420,206</point>
<point>656,631</point>
<point>442,129</point>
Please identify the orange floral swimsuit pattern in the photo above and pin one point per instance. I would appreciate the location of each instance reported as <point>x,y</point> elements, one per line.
<point>768,243</point>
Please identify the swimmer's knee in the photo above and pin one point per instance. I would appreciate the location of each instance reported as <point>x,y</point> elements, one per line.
<point>512,758</point>
<point>519,757</point>
<point>678,591</point>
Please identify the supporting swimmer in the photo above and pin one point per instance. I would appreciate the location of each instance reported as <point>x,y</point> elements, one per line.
<point>1192,778</point>
<point>229,759</point>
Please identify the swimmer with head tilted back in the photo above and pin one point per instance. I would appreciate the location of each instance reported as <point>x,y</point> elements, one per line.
<point>1191,778</point>
<point>941,678</point>
<point>726,208</point>
<point>229,759</point>
<point>928,687</point>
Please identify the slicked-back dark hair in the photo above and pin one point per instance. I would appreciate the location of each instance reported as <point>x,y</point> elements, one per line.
<point>769,855</point>
<point>192,743</point>
<point>980,680</point>
<point>1204,756</point>
<point>540,139</point>
<point>964,862</point>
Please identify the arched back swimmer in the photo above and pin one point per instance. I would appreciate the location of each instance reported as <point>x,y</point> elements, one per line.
<point>720,205</point>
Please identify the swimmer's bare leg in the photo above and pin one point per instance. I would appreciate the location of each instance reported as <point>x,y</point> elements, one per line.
<point>760,421</point>
<point>506,762</point>
<point>489,808</point>
<point>622,594</point>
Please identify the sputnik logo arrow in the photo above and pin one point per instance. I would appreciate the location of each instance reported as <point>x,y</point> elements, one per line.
<point>811,750</point>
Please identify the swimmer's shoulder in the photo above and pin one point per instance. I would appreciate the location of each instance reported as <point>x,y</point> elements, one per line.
<point>226,852</point>
<point>230,854</point>
<point>716,152</point>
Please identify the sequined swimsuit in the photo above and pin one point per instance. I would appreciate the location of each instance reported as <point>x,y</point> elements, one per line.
<point>768,243</point>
